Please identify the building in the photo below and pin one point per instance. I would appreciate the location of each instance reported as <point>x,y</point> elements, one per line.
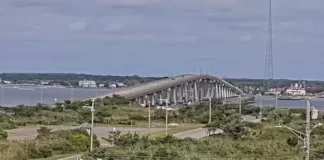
<point>296,89</point>
<point>45,82</point>
<point>87,84</point>
<point>112,86</point>
<point>120,85</point>
<point>276,90</point>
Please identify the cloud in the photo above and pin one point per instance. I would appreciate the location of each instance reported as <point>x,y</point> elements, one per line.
<point>246,37</point>
<point>78,26</point>
<point>173,20</point>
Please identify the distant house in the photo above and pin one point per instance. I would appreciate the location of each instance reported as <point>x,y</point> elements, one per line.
<point>87,84</point>
<point>112,86</point>
<point>45,82</point>
<point>6,82</point>
<point>296,89</point>
<point>120,85</point>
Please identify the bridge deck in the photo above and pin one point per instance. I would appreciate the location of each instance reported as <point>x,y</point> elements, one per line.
<point>155,86</point>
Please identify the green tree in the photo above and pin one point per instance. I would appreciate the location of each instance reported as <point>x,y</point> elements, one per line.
<point>292,141</point>
<point>43,132</point>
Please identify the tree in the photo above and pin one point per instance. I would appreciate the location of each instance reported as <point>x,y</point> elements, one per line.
<point>43,132</point>
<point>292,141</point>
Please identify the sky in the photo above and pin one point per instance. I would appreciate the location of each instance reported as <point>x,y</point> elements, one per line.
<point>162,37</point>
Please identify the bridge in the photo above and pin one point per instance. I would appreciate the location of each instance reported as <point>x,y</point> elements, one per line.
<point>179,89</point>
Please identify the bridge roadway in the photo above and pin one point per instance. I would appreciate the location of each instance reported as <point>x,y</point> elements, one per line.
<point>189,87</point>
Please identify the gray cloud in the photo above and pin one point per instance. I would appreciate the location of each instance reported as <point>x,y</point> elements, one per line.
<point>227,29</point>
<point>155,17</point>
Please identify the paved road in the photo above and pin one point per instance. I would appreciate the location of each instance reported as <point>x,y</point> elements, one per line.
<point>101,131</point>
<point>75,157</point>
<point>196,133</point>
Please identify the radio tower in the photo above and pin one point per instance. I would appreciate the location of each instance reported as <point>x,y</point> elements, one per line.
<point>268,70</point>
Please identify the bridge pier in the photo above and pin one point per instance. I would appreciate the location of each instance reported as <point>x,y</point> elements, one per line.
<point>196,91</point>
<point>217,91</point>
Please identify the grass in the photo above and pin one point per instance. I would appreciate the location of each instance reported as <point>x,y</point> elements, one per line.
<point>177,129</point>
<point>56,157</point>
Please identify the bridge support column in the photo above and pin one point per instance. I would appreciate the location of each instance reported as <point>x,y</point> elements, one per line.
<point>216,91</point>
<point>175,95</point>
<point>220,91</point>
<point>153,99</point>
<point>192,92</point>
<point>196,91</point>
<point>186,92</point>
<point>145,99</point>
<point>180,93</point>
<point>161,97</point>
<point>212,90</point>
<point>168,95</point>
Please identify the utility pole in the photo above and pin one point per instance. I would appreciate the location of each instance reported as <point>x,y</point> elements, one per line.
<point>166,114</point>
<point>166,117</point>
<point>92,117</point>
<point>2,91</point>
<point>41,94</point>
<point>261,107</point>
<point>149,121</point>
<point>305,137</point>
<point>276,101</point>
<point>210,104</point>
<point>240,105</point>
<point>308,110</point>
<point>71,90</point>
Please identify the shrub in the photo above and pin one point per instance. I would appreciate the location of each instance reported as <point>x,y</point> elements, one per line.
<point>138,117</point>
<point>3,135</point>
<point>166,153</point>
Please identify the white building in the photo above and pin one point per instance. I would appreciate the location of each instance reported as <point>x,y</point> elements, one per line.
<point>87,84</point>
<point>120,85</point>
<point>112,86</point>
<point>101,85</point>
<point>296,90</point>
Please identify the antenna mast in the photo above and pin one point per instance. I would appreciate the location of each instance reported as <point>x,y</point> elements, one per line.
<point>268,70</point>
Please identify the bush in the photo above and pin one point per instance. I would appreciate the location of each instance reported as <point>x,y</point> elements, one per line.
<point>3,135</point>
<point>166,153</point>
<point>256,126</point>
<point>137,117</point>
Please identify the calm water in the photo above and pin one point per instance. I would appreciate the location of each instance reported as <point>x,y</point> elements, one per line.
<point>271,101</point>
<point>31,95</point>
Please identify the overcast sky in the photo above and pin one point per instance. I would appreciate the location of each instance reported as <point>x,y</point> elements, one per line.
<point>160,37</point>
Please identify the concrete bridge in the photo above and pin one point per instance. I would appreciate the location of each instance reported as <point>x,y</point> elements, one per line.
<point>179,89</point>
